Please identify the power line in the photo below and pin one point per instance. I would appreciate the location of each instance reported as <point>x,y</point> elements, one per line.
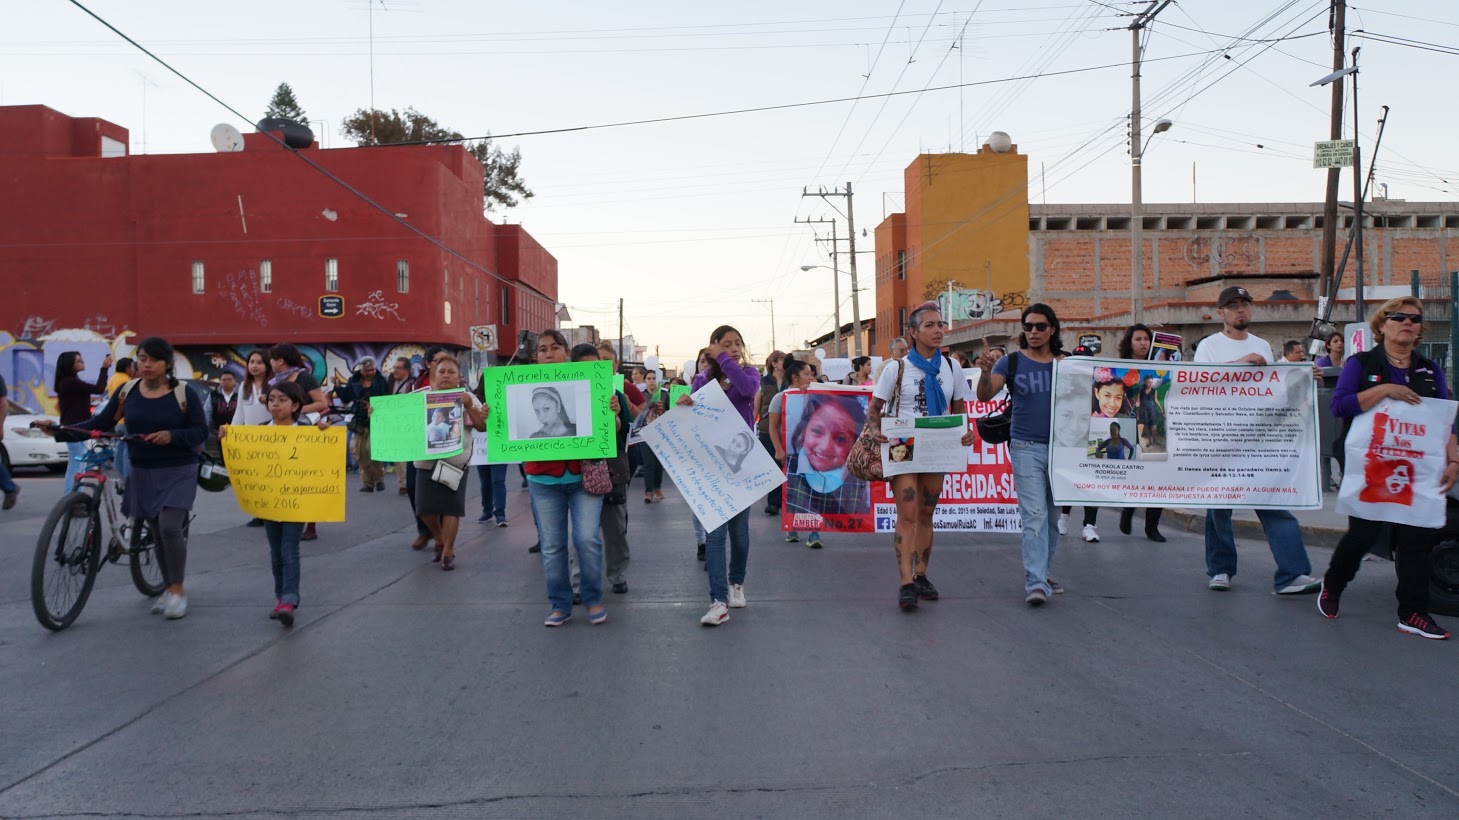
<point>865,81</point>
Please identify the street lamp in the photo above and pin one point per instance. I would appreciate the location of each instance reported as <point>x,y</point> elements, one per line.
<point>835,294</point>
<point>1137,215</point>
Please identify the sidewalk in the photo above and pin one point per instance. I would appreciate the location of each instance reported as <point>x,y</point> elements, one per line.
<point>1320,528</point>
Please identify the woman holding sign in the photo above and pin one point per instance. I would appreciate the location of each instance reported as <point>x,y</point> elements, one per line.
<point>289,365</point>
<point>925,383</point>
<point>559,500</point>
<point>726,365</point>
<point>440,494</point>
<point>285,403</point>
<point>1391,370</point>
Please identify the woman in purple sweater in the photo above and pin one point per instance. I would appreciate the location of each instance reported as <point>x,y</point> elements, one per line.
<point>740,382</point>
<point>73,400</point>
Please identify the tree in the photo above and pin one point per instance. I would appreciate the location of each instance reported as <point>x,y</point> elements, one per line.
<point>502,185</point>
<point>285,106</point>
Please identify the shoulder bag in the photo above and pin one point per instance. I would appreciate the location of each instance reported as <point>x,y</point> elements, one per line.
<point>864,460</point>
<point>997,428</point>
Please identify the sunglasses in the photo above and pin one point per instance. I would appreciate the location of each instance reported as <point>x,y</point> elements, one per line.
<point>1412,318</point>
<point>1036,327</point>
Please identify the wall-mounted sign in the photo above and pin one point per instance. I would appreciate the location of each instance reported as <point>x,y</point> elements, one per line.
<point>1332,154</point>
<point>483,337</point>
<point>331,306</point>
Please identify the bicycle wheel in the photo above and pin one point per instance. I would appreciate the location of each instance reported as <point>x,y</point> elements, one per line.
<point>67,557</point>
<point>146,570</point>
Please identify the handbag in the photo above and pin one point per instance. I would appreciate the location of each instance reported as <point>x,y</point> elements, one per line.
<point>997,428</point>
<point>447,475</point>
<point>864,460</point>
<point>596,478</point>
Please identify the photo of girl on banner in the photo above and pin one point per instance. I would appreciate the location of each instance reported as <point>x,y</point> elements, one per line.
<point>1132,397</point>
<point>554,410</point>
<point>819,429</point>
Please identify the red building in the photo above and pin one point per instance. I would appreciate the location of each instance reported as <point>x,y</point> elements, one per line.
<point>224,251</point>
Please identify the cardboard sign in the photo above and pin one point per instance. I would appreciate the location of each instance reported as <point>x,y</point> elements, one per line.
<point>294,473</point>
<point>1396,455</point>
<point>402,428</point>
<point>550,412</point>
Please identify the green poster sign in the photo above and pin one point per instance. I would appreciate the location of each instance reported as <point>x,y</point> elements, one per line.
<point>677,390</point>
<point>550,412</point>
<point>618,382</point>
<point>399,427</point>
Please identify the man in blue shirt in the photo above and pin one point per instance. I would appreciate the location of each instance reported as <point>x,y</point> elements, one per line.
<point>1032,394</point>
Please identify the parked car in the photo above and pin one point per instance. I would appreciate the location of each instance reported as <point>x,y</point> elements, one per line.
<point>25,446</point>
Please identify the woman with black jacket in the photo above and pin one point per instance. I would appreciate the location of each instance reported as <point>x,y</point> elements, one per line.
<point>73,399</point>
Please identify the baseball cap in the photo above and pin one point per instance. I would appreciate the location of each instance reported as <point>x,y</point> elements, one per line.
<point>1081,350</point>
<point>1231,294</point>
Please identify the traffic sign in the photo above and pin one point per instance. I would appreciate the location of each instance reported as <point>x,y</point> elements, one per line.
<point>483,337</point>
<point>331,307</point>
<point>1333,153</point>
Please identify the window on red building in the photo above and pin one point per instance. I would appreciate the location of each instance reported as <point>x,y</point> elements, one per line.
<point>331,275</point>
<point>266,276</point>
<point>402,276</point>
<point>198,276</point>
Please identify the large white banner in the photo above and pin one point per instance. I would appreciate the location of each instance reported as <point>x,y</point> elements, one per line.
<point>713,456</point>
<point>1215,436</point>
<point>1396,454</point>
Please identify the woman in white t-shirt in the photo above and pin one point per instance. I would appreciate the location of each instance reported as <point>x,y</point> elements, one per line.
<point>922,394</point>
<point>253,393</point>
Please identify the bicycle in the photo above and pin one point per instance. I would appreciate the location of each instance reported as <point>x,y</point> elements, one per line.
<point>69,552</point>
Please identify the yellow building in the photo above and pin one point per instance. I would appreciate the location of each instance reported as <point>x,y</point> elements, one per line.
<point>966,223</point>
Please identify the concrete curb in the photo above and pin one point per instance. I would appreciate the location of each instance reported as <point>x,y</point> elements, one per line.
<point>1313,535</point>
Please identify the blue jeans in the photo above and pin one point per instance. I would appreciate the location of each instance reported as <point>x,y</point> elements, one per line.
<point>554,505</point>
<point>283,549</point>
<point>737,530</point>
<point>494,491</point>
<point>1283,534</point>
<point>6,484</point>
<point>1035,507</point>
<point>699,534</point>
<point>75,451</point>
<point>653,471</point>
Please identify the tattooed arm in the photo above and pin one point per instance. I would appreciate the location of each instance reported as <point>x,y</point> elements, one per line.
<point>873,417</point>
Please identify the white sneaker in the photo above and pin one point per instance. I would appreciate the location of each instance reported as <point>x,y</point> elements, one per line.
<point>718,613</point>
<point>1063,524</point>
<point>737,596</point>
<point>1300,585</point>
<point>160,603</point>
<point>1220,582</point>
<point>175,608</point>
<point>1090,535</point>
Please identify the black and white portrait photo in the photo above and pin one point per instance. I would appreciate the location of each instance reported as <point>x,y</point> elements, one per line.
<point>736,450</point>
<point>550,410</point>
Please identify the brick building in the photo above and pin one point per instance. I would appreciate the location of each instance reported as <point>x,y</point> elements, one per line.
<point>1078,261</point>
<point>222,252</point>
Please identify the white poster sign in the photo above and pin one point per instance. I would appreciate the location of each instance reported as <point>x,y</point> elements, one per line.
<point>478,448</point>
<point>927,445</point>
<point>1213,436</point>
<point>1396,454</point>
<point>713,456</point>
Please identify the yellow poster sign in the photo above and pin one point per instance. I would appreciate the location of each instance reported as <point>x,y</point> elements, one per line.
<point>287,473</point>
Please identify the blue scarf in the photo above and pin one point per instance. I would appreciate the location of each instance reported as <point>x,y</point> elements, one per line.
<point>937,404</point>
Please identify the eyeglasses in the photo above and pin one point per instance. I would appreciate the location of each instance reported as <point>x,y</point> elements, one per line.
<point>1036,327</point>
<point>1411,318</point>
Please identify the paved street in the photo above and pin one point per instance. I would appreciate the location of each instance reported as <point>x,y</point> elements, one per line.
<point>406,691</point>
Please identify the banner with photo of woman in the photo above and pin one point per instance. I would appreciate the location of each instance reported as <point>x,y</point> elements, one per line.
<point>1215,436</point>
<point>550,412</point>
<point>818,428</point>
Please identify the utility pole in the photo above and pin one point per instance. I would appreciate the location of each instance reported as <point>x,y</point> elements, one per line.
<point>1329,208</point>
<point>620,328</point>
<point>1357,197</point>
<point>1137,150</point>
<point>851,249</point>
<point>771,302</point>
<point>835,281</point>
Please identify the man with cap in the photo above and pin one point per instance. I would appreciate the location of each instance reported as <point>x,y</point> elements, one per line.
<point>1234,345</point>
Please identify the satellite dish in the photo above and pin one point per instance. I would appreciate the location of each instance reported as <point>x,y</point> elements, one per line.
<point>226,138</point>
<point>1000,142</point>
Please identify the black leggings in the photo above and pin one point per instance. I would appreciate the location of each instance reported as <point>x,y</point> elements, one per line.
<point>171,543</point>
<point>1411,549</point>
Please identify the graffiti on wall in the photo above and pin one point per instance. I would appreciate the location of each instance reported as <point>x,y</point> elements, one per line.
<point>1238,253</point>
<point>28,365</point>
<point>240,292</point>
<point>377,308</point>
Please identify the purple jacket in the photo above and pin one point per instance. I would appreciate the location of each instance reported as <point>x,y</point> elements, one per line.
<point>743,382</point>
<point>1345,395</point>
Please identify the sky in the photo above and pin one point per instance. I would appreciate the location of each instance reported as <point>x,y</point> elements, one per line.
<point>691,221</point>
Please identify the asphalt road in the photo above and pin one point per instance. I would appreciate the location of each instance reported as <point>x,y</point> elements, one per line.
<point>408,692</point>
